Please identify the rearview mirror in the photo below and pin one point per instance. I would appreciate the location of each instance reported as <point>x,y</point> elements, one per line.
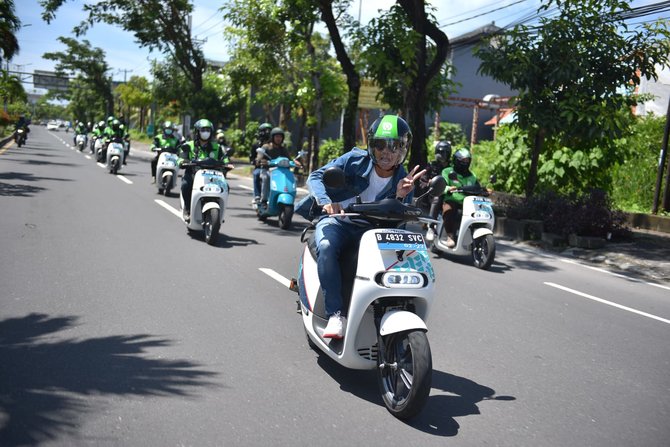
<point>437,185</point>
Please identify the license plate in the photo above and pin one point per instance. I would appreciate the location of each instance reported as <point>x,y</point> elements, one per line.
<point>400,241</point>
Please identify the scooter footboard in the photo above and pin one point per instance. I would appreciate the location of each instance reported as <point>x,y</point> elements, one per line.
<point>399,321</point>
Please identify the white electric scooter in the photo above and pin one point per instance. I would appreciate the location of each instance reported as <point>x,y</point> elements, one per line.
<point>388,286</point>
<point>115,153</point>
<point>474,236</point>
<point>166,171</point>
<point>81,141</point>
<point>209,196</point>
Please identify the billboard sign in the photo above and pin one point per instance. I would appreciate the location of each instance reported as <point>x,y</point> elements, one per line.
<point>367,96</point>
<point>50,80</point>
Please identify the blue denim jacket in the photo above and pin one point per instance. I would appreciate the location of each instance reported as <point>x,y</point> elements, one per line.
<point>357,166</point>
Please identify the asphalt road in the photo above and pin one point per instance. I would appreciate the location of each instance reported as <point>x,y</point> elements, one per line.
<point>118,328</point>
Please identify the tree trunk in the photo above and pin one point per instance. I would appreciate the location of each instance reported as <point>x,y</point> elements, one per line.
<point>415,100</point>
<point>538,142</point>
<point>353,79</point>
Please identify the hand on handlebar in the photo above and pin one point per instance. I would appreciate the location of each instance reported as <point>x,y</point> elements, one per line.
<point>333,208</point>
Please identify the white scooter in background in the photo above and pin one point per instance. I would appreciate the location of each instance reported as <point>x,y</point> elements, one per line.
<point>209,196</point>
<point>80,141</point>
<point>388,284</point>
<point>99,149</point>
<point>115,153</point>
<point>166,171</point>
<point>474,235</point>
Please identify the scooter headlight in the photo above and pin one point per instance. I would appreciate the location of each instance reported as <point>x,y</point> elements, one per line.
<point>403,280</point>
<point>481,215</point>
<point>284,163</point>
<point>211,188</point>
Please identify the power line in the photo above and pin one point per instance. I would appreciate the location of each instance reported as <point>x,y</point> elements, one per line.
<point>482,14</point>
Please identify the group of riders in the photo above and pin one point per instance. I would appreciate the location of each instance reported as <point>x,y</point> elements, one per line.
<point>375,172</point>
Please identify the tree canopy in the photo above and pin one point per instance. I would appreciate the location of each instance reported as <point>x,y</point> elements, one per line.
<point>575,72</point>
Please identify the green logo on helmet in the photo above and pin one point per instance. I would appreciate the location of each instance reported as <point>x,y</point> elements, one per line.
<point>388,127</point>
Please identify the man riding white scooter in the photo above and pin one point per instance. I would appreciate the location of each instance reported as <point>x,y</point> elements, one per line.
<point>201,147</point>
<point>373,175</point>
<point>453,201</point>
<point>167,141</point>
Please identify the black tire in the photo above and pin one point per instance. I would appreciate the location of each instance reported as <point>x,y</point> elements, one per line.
<point>115,167</point>
<point>285,216</point>
<point>19,142</point>
<point>210,225</point>
<point>167,183</point>
<point>406,387</point>
<point>483,251</point>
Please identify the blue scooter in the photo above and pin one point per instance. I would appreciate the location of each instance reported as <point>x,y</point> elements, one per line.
<point>281,195</point>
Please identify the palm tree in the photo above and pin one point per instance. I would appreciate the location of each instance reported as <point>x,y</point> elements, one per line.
<point>9,25</point>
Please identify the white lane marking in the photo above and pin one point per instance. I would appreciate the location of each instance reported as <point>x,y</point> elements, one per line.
<point>581,264</point>
<point>609,303</point>
<point>123,179</point>
<point>170,208</point>
<point>246,187</point>
<point>87,156</point>
<point>276,276</point>
<point>101,165</point>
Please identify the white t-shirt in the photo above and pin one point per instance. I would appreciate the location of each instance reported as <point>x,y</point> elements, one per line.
<point>377,185</point>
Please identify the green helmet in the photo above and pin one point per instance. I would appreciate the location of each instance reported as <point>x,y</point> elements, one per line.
<point>389,131</point>
<point>110,118</point>
<point>203,129</point>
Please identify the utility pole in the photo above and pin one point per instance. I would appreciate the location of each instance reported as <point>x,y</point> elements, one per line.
<point>661,164</point>
<point>125,74</point>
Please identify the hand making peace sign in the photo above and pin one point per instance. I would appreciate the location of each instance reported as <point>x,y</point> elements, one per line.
<point>406,185</point>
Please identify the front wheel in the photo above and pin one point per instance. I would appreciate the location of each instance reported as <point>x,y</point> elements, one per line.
<point>285,216</point>
<point>167,183</point>
<point>211,224</point>
<point>483,251</point>
<point>404,372</point>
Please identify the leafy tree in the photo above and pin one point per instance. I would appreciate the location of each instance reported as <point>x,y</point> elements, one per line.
<point>406,53</point>
<point>570,73</point>
<point>11,89</point>
<point>9,25</point>
<point>156,24</point>
<point>333,14</point>
<point>89,62</point>
<point>85,104</point>
<point>136,93</point>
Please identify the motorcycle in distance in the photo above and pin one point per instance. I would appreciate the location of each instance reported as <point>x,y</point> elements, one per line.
<point>80,141</point>
<point>20,136</point>
<point>388,285</point>
<point>474,235</point>
<point>208,198</point>
<point>100,149</point>
<point>115,154</point>
<point>166,169</point>
<point>282,191</point>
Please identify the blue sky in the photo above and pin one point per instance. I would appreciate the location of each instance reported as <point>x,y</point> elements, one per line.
<point>126,58</point>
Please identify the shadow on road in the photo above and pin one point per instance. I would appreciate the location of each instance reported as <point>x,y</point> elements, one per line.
<point>43,383</point>
<point>439,415</point>
<point>18,190</point>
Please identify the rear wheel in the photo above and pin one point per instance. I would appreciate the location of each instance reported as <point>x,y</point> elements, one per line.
<point>285,216</point>
<point>211,224</point>
<point>167,183</point>
<point>115,166</point>
<point>404,373</point>
<point>483,251</point>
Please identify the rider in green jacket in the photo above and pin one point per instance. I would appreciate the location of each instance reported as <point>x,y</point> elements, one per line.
<point>457,175</point>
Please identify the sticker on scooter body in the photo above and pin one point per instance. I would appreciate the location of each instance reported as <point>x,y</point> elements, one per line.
<point>400,241</point>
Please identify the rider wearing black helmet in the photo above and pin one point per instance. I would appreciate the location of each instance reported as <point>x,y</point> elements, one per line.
<point>271,150</point>
<point>262,137</point>
<point>373,175</point>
